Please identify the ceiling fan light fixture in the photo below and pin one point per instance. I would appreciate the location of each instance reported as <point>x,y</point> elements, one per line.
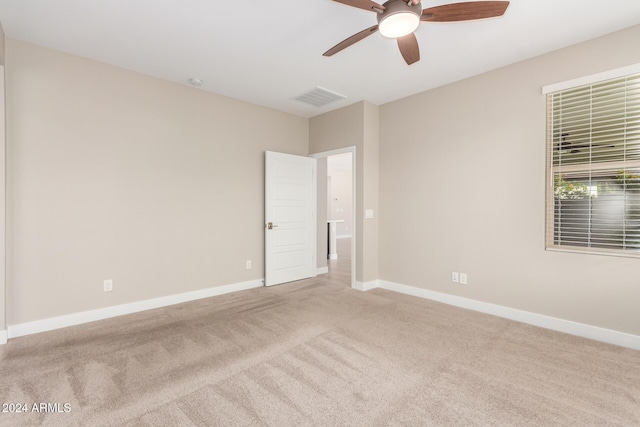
<point>399,19</point>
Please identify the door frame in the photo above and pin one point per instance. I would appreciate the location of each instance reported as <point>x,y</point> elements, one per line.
<point>352,150</point>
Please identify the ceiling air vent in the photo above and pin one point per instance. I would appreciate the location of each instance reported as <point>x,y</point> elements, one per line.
<point>320,97</point>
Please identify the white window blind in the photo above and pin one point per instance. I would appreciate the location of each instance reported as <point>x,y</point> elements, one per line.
<point>593,165</point>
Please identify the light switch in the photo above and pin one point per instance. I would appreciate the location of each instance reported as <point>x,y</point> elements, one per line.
<point>368,213</point>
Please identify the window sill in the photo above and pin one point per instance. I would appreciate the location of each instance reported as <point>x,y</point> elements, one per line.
<point>597,251</point>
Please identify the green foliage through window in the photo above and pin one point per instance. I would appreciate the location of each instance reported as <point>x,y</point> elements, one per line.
<point>564,190</point>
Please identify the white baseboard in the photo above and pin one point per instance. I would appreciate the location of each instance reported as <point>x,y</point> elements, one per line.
<point>365,286</point>
<point>119,310</point>
<point>586,331</point>
<point>332,256</point>
<point>579,329</point>
<point>322,270</point>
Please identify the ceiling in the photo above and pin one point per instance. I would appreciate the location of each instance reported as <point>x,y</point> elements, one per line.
<point>268,53</point>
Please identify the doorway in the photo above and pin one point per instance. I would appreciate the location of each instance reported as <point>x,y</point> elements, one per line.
<point>337,210</point>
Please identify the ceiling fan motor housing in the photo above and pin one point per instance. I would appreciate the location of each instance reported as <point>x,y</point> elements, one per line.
<point>398,7</point>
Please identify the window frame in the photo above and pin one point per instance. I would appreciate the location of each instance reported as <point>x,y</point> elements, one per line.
<point>550,170</point>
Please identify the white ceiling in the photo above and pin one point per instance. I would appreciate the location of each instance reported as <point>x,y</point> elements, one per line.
<point>268,53</point>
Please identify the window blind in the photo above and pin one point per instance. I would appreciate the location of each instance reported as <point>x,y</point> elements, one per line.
<point>593,161</point>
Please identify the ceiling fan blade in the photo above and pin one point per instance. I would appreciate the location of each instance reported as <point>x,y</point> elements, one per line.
<point>409,49</point>
<point>364,4</point>
<point>351,40</point>
<point>464,11</point>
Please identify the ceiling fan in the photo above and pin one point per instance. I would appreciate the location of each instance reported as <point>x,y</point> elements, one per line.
<point>398,19</point>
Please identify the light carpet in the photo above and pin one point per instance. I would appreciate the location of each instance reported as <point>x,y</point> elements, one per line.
<point>317,353</point>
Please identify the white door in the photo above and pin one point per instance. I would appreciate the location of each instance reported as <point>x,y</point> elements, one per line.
<point>290,224</point>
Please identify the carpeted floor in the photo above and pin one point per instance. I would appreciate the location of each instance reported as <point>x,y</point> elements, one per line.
<point>316,352</point>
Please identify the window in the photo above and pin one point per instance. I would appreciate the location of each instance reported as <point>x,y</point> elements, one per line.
<point>593,167</point>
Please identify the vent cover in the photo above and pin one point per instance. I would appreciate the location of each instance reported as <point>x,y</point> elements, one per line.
<point>319,97</point>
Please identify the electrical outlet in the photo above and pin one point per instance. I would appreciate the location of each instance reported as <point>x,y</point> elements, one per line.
<point>463,278</point>
<point>248,264</point>
<point>455,277</point>
<point>108,285</point>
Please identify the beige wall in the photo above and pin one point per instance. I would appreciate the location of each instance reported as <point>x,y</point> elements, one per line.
<point>370,190</point>
<point>355,125</point>
<point>3,172</point>
<point>117,175</point>
<point>2,45</point>
<point>463,190</point>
